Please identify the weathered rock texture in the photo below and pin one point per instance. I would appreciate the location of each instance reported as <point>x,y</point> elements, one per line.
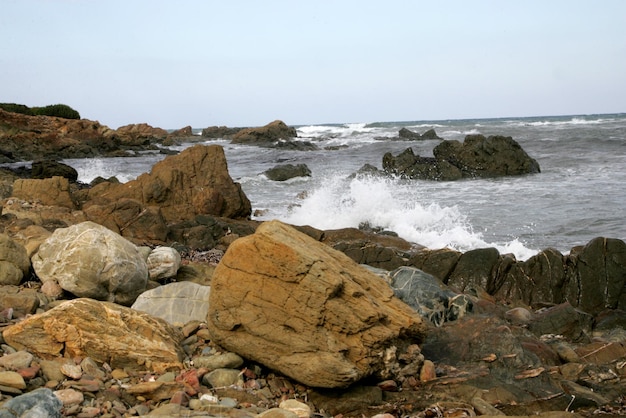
<point>90,260</point>
<point>177,303</point>
<point>269,133</point>
<point>591,278</point>
<point>182,186</point>
<point>477,156</point>
<point>297,306</point>
<point>54,191</point>
<point>163,263</point>
<point>103,331</point>
<point>14,262</point>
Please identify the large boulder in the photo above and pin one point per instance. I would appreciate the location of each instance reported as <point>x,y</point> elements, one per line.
<point>477,156</point>
<point>194,182</point>
<point>89,260</point>
<point>103,331</point>
<point>14,262</point>
<point>269,133</point>
<point>285,300</point>
<point>44,169</point>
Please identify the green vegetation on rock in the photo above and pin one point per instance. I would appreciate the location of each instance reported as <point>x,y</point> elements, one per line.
<point>58,110</point>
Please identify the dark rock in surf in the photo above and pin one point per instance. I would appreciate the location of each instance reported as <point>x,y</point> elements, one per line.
<point>477,157</point>
<point>284,172</point>
<point>48,168</point>
<point>219,132</point>
<point>405,133</point>
<point>271,132</point>
<point>408,134</point>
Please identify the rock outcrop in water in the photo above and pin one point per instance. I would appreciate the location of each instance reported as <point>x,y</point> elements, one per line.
<point>269,133</point>
<point>478,156</point>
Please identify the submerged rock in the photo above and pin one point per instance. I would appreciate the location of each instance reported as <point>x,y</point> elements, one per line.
<point>284,172</point>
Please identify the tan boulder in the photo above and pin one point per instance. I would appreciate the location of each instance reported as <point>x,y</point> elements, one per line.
<point>14,262</point>
<point>92,261</point>
<point>287,301</point>
<point>103,331</point>
<point>194,182</point>
<point>31,238</point>
<point>53,191</point>
<point>41,214</point>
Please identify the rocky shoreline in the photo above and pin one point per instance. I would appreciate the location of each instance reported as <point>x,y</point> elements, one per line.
<point>160,297</point>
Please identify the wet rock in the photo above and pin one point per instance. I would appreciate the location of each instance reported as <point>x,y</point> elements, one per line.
<point>177,303</point>
<point>91,261</point>
<point>284,172</point>
<point>44,169</point>
<point>40,403</point>
<point>477,156</point>
<point>14,262</point>
<point>341,334</point>
<point>163,263</point>
<point>104,331</point>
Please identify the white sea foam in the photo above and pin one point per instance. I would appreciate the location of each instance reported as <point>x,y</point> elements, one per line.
<point>383,203</point>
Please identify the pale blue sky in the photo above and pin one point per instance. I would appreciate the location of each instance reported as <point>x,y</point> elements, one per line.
<point>246,63</point>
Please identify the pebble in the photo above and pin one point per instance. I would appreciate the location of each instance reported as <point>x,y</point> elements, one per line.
<point>219,361</point>
<point>12,379</point>
<point>302,410</point>
<point>69,397</point>
<point>223,378</point>
<point>17,360</point>
<point>73,371</point>
<point>428,371</point>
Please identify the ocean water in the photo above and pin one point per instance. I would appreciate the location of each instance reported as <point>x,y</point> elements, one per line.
<point>580,193</point>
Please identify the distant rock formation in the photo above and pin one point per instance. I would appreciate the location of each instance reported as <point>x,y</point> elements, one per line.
<point>478,156</point>
<point>269,133</point>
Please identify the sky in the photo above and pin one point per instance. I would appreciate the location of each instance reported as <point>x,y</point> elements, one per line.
<point>246,63</point>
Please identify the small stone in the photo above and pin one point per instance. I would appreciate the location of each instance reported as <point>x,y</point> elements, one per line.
<point>277,413</point>
<point>51,369</point>
<point>12,380</point>
<point>223,378</point>
<point>73,371</point>
<point>220,361</point>
<point>518,316</point>
<point>119,374</point>
<point>69,397</point>
<point>428,371</point>
<point>91,368</point>
<point>29,373</point>
<point>302,410</point>
<point>89,412</point>
<point>17,360</point>
<point>180,398</point>
<point>388,386</point>
<point>52,289</point>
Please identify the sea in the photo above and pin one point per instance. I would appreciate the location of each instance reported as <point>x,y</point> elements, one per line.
<point>579,194</point>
